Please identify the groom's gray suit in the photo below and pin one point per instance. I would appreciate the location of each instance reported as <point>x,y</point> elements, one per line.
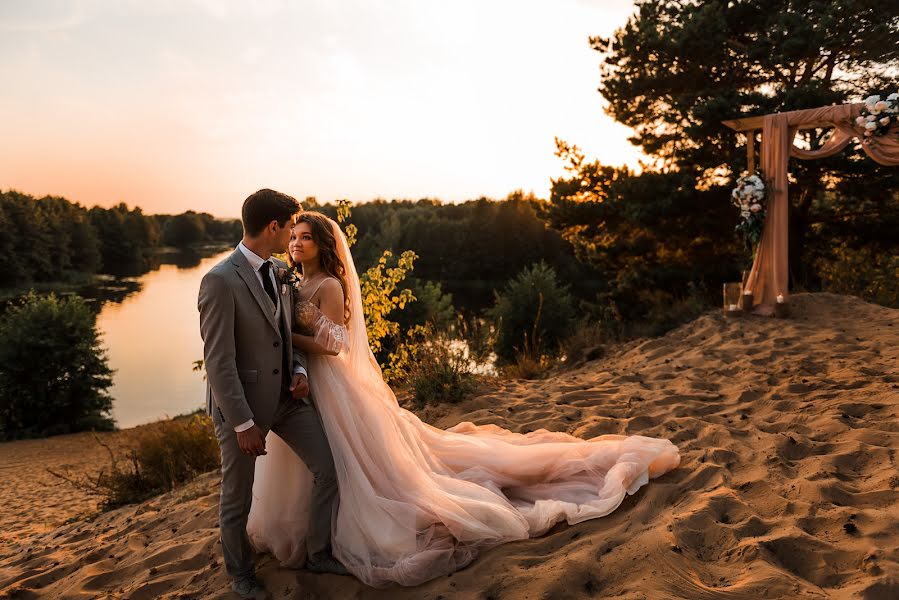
<point>249,361</point>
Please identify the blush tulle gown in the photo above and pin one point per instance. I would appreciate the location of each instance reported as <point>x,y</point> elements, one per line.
<point>417,502</point>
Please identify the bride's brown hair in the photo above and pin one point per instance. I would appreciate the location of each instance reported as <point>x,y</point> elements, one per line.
<point>323,236</point>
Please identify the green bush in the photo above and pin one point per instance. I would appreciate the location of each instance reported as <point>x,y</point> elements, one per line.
<point>440,374</point>
<point>587,343</point>
<point>433,366</point>
<point>381,295</point>
<point>667,311</point>
<point>870,273</point>
<point>432,307</point>
<point>167,454</point>
<point>661,311</point>
<point>53,371</point>
<point>479,335</point>
<point>533,315</point>
<point>527,366</point>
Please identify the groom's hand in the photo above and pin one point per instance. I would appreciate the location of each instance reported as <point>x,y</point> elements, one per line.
<point>299,386</point>
<point>252,441</point>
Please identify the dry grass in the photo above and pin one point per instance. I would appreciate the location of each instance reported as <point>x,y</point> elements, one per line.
<point>162,458</point>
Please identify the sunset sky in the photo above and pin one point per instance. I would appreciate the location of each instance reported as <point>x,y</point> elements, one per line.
<point>194,104</point>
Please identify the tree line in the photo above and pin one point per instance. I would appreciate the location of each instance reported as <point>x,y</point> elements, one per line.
<point>471,248</point>
<point>51,239</point>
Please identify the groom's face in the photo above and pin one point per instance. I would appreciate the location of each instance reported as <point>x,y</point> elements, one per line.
<point>281,235</point>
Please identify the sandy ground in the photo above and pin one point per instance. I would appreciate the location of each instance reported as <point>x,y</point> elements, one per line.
<point>788,485</point>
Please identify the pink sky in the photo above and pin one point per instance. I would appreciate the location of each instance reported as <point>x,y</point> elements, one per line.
<point>193,104</point>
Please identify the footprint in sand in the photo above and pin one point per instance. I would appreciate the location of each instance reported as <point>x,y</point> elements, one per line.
<point>812,559</point>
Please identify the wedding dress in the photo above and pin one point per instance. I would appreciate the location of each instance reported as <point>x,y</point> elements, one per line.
<point>417,502</point>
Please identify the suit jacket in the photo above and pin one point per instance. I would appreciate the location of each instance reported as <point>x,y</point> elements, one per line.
<point>244,345</point>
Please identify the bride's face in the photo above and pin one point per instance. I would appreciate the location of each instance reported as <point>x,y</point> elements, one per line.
<point>302,247</point>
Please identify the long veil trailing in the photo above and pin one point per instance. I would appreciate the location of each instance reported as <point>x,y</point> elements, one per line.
<point>417,502</point>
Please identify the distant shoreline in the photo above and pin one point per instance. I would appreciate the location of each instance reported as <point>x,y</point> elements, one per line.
<point>81,280</point>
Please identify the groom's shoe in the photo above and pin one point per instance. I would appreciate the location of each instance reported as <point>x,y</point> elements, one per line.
<point>248,587</point>
<point>324,562</point>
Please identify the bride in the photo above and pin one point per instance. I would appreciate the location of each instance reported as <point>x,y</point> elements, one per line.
<point>417,502</point>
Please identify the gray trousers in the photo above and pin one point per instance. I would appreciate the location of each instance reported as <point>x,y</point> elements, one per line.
<point>300,426</point>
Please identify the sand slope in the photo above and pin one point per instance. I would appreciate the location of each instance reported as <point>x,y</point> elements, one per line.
<point>788,486</point>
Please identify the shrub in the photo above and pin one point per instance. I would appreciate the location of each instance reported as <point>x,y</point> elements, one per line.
<point>53,371</point>
<point>380,297</point>
<point>533,315</point>
<point>379,287</point>
<point>479,335</point>
<point>586,343</point>
<point>865,272</point>
<point>440,373</point>
<point>662,311</point>
<point>167,454</point>
<point>526,366</point>
<point>432,307</point>
<point>667,311</point>
<point>434,368</point>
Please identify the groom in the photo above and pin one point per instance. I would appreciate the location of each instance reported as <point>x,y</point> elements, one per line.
<point>256,383</point>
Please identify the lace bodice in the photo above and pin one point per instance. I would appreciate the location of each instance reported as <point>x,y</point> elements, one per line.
<point>304,315</point>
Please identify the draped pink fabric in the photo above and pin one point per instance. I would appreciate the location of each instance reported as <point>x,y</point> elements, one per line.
<point>769,276</point>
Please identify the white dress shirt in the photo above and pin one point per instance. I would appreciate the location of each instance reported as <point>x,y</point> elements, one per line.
<point>256,262</point>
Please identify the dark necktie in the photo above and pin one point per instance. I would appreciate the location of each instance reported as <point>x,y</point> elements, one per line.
<point>265,270</point>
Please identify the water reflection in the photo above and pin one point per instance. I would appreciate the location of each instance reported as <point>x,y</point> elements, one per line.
<point>153,337</point>
<point>115,288</point>
<point>183,258</point>
<point>109,289</point>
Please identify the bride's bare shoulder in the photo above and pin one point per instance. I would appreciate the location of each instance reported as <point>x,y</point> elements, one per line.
<point>331,285</point>
<point>327,287</point>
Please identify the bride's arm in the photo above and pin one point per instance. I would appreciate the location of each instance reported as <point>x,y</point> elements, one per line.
<point>330,332</point>
<point>307,344</point>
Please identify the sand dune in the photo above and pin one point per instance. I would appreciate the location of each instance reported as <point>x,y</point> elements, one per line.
<point>788,486</point>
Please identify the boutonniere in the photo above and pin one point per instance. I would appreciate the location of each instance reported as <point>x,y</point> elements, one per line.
<point>288,277</point>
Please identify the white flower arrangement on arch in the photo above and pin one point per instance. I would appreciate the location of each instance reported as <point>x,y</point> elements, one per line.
<point>878,115</point>
<point>749,196</point>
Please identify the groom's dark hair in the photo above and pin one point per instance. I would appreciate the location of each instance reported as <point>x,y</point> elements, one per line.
<point>265,206</point>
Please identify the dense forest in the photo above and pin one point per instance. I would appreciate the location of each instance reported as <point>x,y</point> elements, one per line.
<point>50,239</point>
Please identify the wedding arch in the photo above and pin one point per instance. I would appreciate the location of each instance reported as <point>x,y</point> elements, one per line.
<point>769,276</point>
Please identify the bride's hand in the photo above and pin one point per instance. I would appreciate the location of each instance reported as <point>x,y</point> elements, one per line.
<point>299,386</point>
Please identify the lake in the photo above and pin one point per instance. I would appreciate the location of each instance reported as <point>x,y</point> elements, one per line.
<point>152,338</point>
<point>150,329</point>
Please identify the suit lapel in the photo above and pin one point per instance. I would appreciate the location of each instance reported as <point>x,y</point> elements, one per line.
<point>286,319</point>
<point>245,271</point>
<point>286,306</point>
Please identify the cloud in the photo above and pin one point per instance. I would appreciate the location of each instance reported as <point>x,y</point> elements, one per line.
<point>41,15</point>
<point>223,9</point>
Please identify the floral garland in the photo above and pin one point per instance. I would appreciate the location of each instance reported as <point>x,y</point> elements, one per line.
<point>877,115</point>
<point>749,196</point>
